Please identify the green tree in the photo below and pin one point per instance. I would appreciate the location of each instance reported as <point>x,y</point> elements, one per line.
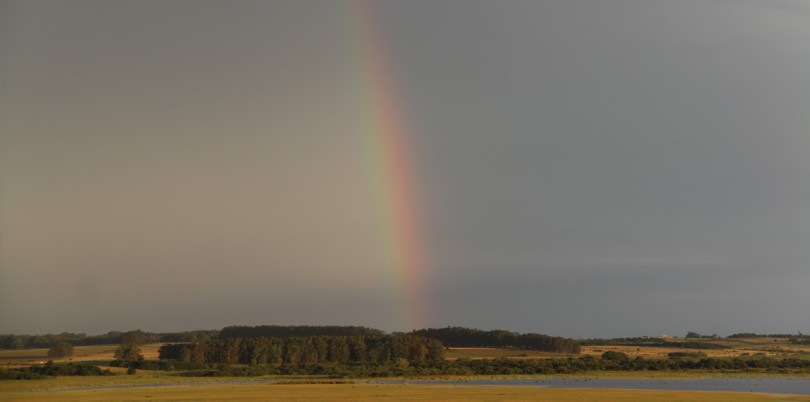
<point>198,353</point>
<point>136,337</point>
<point>60,350</point>
<point>338,350</point>
<point>128,352</point>
<point>185,355</point>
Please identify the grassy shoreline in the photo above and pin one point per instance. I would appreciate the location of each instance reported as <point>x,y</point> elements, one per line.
<point>157,378</point>
<point>389,392</point>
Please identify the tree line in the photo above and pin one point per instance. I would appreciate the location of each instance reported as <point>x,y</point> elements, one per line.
<point>450,336</point>
<point>652,342</point>
<point>470,337</point>
<point>307,350</point>
<point>800,339</point>
<point>11,341</point>
<point>618,362</point>
<point>609,361</point>
<point>286,331</point>
<point>42,371</point>
<point>744,335</point>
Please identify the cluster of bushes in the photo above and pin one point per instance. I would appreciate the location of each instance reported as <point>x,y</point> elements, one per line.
<point>331,370</point>
<point>693,334</point>
<point>307,350</point>
<point>39,371</point>
<point>686,355</point>
<point>19,374</point>
<point>469,337</point>
<point>610,361</point>
<point>617,361</point>
<point>162,365</point>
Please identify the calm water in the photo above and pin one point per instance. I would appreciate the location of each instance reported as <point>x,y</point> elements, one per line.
<point>797,386</point>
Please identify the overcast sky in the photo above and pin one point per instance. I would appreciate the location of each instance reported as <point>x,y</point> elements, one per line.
<point>584,168</point>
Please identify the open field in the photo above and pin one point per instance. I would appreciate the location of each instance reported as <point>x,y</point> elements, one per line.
<point>80,353</point>
<point>662,352</point>
<point>772,347</point>
<point>493,353</point>
<point>375,392</point>
<point>141,378</point>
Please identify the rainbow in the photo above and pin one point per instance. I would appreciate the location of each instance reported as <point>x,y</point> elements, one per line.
<point>398,208</point>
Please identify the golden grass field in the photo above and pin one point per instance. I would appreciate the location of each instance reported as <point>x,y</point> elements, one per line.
<point>492,353</point>
<point>374,392</point>
<point>80,353</point>
<point>736,347</point>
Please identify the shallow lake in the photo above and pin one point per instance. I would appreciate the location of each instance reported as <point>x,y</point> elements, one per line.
<point>796,386</point>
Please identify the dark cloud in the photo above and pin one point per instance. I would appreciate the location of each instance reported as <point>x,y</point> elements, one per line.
<point>586,168</point>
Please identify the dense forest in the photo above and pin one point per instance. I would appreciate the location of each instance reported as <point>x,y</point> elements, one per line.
<point>286,331</point>
<point>469,337</point>
<point>307,350</point>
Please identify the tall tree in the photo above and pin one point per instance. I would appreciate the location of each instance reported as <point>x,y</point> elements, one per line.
<point>136,337</point>
<point>128,352</point>
<point>60,350</point>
